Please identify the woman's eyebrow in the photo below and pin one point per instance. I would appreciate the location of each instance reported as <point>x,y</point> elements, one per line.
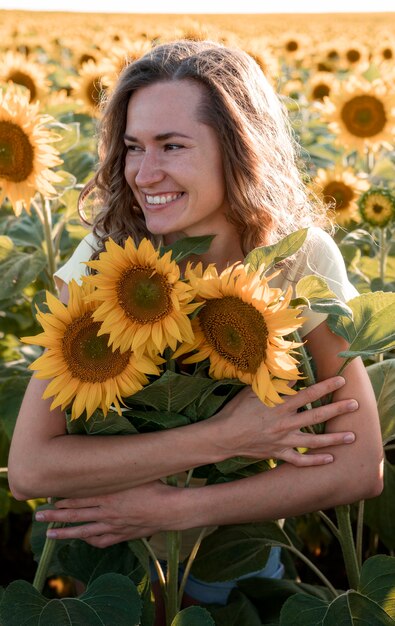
<point>161,136</point>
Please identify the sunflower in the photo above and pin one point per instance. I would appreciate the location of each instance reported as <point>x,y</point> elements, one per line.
<point>25,151</point>
<point>18,69</point>
<point>240,329</point>
<point>90,87</point>
<point>320,85</point>
<point>361,113</point>
<point>377,206</point>
<point>340,188</point>
<point>144,304</point>
<point>83,369</point>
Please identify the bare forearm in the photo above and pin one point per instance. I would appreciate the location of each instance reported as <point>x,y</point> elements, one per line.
<point>280,493</point>
<point>73,465</point>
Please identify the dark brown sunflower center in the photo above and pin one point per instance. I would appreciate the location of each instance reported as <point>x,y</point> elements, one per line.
<point>84,58</point>
<point>236,330</point>
<point>364,116</point>
<point>88,357</point>
<point>16,153</point>
<point>320,91</point>
<point>291,45</point>
<point>144,295</point>
<point>341,193</point>
<point>25,80</point>
<point>387,53</point>
<point>353,56</point>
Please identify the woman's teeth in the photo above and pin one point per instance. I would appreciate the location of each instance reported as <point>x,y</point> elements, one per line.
<point>163,199</point>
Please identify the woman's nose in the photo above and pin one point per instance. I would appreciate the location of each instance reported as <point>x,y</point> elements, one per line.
<point>149,170</point>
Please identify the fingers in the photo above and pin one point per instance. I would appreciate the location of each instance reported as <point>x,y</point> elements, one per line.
<point>324,413</point>
<point>315,392</point>
<point>322,441</point>
<point>306,460</point>
<point>69,516</point>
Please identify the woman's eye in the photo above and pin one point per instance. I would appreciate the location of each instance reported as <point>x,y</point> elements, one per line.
<point>173,146</point>
<point>133,148</point>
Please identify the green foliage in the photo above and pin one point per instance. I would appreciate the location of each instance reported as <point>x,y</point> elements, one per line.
<point>268,256</point>
<point>193,616</point>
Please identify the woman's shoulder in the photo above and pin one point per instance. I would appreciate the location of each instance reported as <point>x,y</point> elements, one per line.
<point>76,267</point>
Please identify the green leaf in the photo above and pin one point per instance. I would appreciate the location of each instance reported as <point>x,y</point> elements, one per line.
<point>270,255</point>
<point>236,463</point>
<point>378,581</point>
<point>320,298</point>
<point>355,609</point>
<point>189,245</point>
<point>251,542</point>
<point>86,563</point>
<point>146,421</point>
<point>372,329</point>
<point>239,610</point>
<point>193,616</point>
<point>6,246</point>
<point>110,599</point>
<point>382,377</point>
<point>379,514</point>
<point>171,392</point>
<point>18,271</point>
<point>300,610</point>
<point>14,377</point>
<point>26,231</point>
<point>97,424</point>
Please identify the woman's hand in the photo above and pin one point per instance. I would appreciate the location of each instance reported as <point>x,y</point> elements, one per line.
<point>254,430</point>
<point>108,519</point>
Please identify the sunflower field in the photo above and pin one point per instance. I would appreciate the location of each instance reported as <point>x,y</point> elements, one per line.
<point>336,75</point>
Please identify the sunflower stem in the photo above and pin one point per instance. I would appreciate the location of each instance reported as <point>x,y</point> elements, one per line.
<point>359,535</point>
<point>383,253</point>
<point>307,371</point>
<point>189,564</point>
<point>45,559</point>
<point>173,555</point>
<point>347,544</point>
<point>49,243</point>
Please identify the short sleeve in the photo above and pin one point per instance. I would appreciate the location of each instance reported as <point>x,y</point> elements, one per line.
<point>75,267</point>
<point>322,257</point>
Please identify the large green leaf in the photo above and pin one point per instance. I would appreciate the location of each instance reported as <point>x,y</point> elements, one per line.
<point>372,329</point>
<point>189,245</point>
<point>349,609</point>
<point>379,512</point>
<point>110,599</point>
<point>86,563</point>
<point>193,616</point>
<point>251,542</point>
<point>355,609</point>
<point>300,610</point>
<point>112,424</point>
<point>382,377</point>
<point>26,231</point>
<point>14,377</point>
<point>239,610</point>
<point>145,420</point>
<point>319,297</point>
<point>270,255</point>
<point>17,271</point>
<point>171,392</point>
<point>378,581</point>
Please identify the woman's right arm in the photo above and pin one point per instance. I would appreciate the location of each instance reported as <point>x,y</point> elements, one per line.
<point>46,461</point>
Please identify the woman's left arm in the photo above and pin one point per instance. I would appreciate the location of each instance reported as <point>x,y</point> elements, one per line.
<point>355,474</point>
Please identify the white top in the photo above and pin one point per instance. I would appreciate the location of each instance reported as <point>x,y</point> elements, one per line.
<point>320,256</point>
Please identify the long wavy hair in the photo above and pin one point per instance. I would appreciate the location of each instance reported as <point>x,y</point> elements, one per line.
<point>266,195</point>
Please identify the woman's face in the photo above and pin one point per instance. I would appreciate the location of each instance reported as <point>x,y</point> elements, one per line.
<point>173,163</point>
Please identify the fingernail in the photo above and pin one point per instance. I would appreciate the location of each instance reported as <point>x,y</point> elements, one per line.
<point>339,381</point>
<point>52,534</point>
<point>349,438</point>
<point>328,459</point>
<point>352,405</point>
<point>40,517</point>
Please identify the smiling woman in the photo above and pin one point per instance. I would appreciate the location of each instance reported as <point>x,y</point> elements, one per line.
<point>194,141</point>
